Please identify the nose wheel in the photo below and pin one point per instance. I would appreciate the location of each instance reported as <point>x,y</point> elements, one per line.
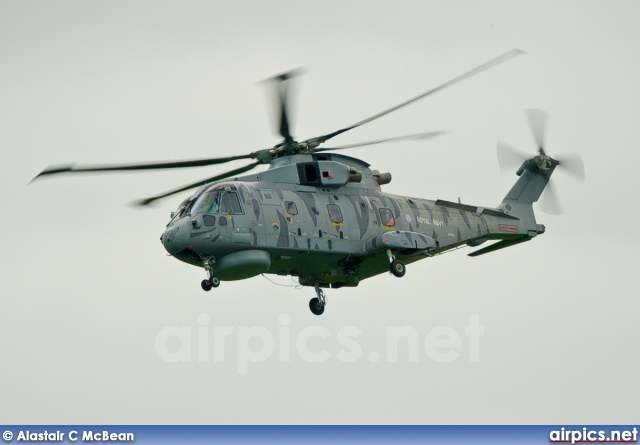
<point>317,304</point>
<point>212,281</point>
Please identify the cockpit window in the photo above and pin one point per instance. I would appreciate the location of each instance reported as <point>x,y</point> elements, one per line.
<point>230,203</point>
<point>208,202</point>
<point>217,201</point>
<point>178,213</point>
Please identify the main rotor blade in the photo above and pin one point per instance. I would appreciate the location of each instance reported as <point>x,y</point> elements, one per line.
<point>549,202</point>
<point>538,121</point>
<point>509,158</point>
<point>284,119</point>
<point>573,164</point>
<point>410,137</point>
<point>283,97</point>
<point>71,168</point>
<point>231,173</point>
<point>485,66</point>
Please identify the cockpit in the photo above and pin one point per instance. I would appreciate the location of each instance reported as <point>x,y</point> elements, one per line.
<point>220,199</point>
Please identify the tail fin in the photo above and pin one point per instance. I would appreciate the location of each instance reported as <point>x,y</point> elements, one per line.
<point>514,221</point>
<point>534,177</point>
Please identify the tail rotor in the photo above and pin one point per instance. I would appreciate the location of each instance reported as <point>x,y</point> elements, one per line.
<point>510,158</point>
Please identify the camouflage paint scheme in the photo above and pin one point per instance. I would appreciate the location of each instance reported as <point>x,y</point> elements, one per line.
<point>285,227</point>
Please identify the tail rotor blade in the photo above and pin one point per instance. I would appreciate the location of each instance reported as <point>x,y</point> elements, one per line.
<point>509,158</point>
<point>573,165</point>
<point>549,202</point>
<point>538,120</point>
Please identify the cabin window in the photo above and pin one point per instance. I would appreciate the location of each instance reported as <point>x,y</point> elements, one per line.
<point>335,214</point>
<point>209,220</point>
<point>387,217</point>
<point>291,207</point>
<point>230,203</point>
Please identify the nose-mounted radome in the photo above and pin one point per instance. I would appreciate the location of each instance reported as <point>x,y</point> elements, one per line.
<point>176,238</point>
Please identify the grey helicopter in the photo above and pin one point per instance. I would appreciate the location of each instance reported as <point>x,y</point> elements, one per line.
<point>323,218</point>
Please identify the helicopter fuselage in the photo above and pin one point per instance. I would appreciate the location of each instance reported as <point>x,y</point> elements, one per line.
<point>324,219</point>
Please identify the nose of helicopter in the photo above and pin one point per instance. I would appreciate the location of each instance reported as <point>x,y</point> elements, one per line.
<point>176,238</point>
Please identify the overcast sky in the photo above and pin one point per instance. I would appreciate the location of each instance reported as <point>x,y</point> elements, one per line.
<point>87,288</point>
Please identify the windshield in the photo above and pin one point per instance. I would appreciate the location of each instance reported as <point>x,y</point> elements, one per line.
<point>179,213</point>
<point>208,202</point>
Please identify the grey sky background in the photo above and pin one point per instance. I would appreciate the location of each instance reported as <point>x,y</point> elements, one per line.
<point>87,286</point>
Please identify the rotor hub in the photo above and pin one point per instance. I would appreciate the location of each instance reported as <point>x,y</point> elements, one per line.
<point>544,162</point>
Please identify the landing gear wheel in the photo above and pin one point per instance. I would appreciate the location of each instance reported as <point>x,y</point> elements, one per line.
<point>398,269</point>
<point>316,307</point>
<point>208,262</point>
<point>206,286</point>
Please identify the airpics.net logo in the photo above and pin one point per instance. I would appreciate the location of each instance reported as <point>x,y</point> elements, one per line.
<point>251,345</point>
<point>593,435</point>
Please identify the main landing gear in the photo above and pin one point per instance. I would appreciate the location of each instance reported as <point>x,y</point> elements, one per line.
<point>317,304</point>
<point>212,281</point>
<point>396,266</point>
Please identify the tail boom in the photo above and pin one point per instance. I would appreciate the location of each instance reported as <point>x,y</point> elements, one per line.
<point>514,221</point>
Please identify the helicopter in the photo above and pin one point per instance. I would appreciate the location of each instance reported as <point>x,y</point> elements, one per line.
<point>322,216</point>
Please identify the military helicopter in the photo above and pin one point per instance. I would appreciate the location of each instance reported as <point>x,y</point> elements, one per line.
<point>322,217</point>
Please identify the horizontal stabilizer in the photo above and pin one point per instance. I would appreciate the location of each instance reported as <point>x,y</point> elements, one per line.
<point>474,209</point>
<point>500,245</point>
<point>457,205</point>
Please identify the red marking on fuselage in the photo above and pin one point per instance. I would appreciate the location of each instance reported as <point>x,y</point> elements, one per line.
<point>510,228</point>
